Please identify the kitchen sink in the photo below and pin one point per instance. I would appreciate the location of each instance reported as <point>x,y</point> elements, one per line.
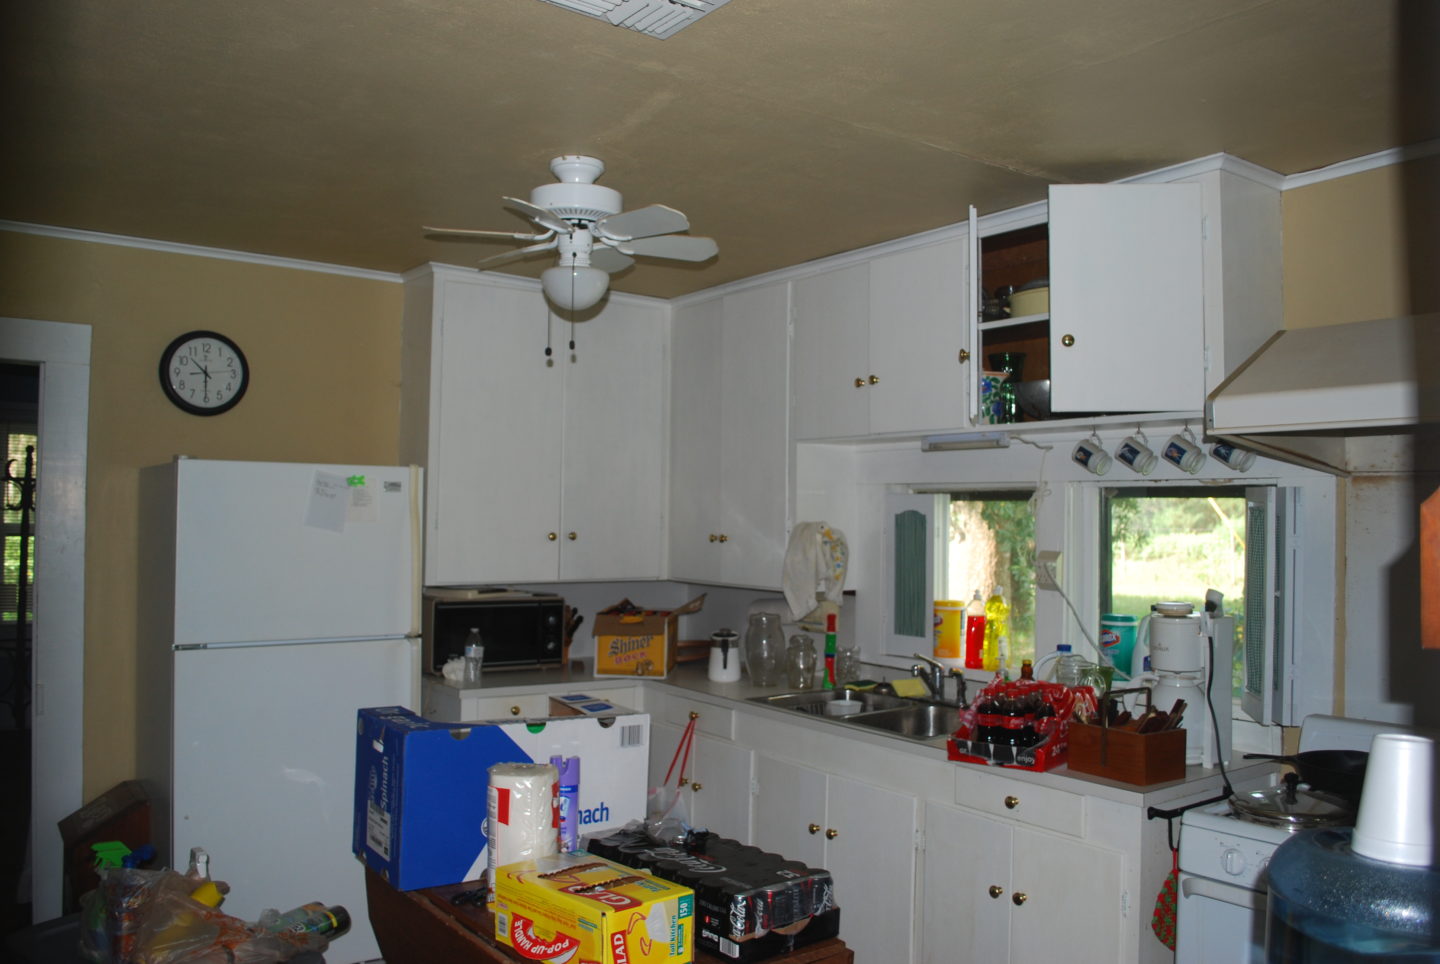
<point>918,720</point>
<point>813,701</point>
<point>909,718</point>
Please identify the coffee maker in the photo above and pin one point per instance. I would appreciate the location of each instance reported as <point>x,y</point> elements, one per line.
<point>1189,655</point>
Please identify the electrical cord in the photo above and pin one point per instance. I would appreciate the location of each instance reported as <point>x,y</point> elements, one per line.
<point>1055,581</point>
<point>1210,703</point>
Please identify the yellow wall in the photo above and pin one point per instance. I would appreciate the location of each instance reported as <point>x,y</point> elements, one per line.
<point>324,352</point>
<point>1363,246</point>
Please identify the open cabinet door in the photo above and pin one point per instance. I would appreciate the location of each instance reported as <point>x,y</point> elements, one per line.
<point>914,527</point>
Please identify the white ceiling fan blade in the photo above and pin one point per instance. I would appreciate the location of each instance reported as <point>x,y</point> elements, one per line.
<point>541,216</point>
<point>642,223</point>
<point>515,255</point>
<point>679,247</point>
<point>608,259</point>
<point>472,233</point>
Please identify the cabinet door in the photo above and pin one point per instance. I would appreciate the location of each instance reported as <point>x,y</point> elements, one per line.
<point>612,500</point>
<point>918,327</point>
<point>831,362</point>
<point>495,456</point>
<point>790,816</point>
<point>1072,900</point>
<point>720,776</point>
<point>965,888</point>
<point>872,857</point>
<point>1126,276</point>
<point>696,503</point>
<point>754,470</point>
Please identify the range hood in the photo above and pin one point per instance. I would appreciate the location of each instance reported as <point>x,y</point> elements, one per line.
<point>1307,389</point>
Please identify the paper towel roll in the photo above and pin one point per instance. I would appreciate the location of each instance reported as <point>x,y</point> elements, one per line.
<point>523,814</point>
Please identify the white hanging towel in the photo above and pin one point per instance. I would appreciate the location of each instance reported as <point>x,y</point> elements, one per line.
<point>815,562</point>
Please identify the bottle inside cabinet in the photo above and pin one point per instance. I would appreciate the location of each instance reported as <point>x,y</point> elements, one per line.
<point>1015,325</point>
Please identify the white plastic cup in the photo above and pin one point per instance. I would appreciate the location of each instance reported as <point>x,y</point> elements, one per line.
<point>1394,820</point>
<point>845,707</point>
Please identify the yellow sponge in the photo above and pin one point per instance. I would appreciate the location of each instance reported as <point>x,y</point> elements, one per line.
<point>910,687</point>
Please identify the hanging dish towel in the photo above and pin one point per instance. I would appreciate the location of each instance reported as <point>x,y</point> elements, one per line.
<point>815,563</point>
<point>1162,921</point>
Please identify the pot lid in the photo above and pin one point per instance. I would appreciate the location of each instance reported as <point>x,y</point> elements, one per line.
<point>1292,807</point>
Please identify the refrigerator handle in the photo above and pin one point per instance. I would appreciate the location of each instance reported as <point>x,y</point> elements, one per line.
<point>416,547</point>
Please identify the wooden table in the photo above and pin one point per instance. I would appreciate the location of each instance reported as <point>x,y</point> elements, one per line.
<point>424,927</point>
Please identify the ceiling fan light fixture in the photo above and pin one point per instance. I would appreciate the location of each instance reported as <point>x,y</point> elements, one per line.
<point>574,287</point>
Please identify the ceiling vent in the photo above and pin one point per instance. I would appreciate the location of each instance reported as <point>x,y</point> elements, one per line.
<point>657,18</point>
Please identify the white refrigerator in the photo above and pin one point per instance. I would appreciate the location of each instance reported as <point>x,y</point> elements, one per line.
<point>295,603</point>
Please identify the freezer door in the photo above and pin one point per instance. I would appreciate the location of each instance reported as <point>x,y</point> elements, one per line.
<point>263,771</point>
<point>271,551</point>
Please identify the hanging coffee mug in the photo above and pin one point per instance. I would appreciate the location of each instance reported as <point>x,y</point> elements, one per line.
<point>1182,451</point>
<point>1090,455</point>
<point>1135,454</point>
<point>1238,459</point>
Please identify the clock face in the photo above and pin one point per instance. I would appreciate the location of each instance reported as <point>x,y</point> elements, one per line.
<point>204,373</point>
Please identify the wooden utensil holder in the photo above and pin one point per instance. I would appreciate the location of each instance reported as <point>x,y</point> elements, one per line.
<point>1118,753</point>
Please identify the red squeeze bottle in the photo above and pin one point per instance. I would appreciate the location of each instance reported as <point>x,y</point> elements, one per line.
<point>829,651</point>
<point>975,632</point>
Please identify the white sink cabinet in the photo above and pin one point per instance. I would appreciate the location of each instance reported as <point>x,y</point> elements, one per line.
<point>878,345</point>
<point>538,469</point>
<point>729,439</point>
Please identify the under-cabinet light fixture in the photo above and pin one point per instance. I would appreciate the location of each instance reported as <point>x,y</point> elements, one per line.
<point>965,441</point>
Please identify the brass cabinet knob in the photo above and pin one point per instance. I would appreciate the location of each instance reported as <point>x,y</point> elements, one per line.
<point>514,711</point>
<point>696,786</point>
<point>831,834</point>
<point>1019,898</point>
<point>1011,803</point>
<point>1067,340</point>
<point>859,383</point>
<point>874,379</point>
<point>996,890</point>
<point>814,828</point>
<point>964,355</point>
<point>551,536</point>
<point>570,536</point>
<point>694,715</point>
<point>724,537</point>
<point>714,537</point>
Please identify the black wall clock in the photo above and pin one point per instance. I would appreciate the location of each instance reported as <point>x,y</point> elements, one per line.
<point>204,373</point>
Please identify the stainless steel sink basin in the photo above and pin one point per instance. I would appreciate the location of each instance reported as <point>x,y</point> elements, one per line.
<point>917,720</point>
<point>813,701</point>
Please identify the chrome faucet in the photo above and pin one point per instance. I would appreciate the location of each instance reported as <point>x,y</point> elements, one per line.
<point>933,674</point>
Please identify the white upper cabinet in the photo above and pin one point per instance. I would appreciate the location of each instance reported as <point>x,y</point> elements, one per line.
<point>538,468</point>
<point>879,346</point>
<point>729,448</point>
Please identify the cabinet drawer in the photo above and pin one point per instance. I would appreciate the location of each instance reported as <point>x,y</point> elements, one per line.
<point>1045,807</point>
<point>503,707</point>
<point>713,720</point>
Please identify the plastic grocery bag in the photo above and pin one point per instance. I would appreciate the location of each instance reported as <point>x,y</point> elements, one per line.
<point>667,818</point>
<point>149,917</point>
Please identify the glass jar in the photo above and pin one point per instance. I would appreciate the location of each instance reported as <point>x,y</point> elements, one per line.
<point>847,665</point>
<point>800,662</point>
<point>764,649</point>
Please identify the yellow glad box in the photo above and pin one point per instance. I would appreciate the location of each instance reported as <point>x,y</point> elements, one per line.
<point>630,641</point>
<point>579,907</point>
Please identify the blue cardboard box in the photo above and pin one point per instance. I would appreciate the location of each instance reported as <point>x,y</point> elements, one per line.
<point>421,785</point>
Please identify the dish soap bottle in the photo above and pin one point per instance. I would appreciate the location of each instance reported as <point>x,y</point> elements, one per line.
<point>975,633</point>
<point>997,615</point>
<point>474,657</point>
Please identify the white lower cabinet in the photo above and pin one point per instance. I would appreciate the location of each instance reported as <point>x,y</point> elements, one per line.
<point>715,790</point>
<point>863,834</point>
<point>996,891</point>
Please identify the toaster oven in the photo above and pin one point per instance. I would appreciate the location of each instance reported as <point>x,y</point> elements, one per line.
<point>519,628</point>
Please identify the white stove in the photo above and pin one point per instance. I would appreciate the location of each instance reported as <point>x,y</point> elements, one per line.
<point>1221,914</point>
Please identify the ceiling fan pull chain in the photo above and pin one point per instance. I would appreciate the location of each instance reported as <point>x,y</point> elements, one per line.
<point>548,352</point>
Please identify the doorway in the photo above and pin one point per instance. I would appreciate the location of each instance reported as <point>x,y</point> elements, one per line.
<point>60,355</point>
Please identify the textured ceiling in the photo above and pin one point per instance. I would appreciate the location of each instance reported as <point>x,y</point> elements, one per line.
<point>331,130</point>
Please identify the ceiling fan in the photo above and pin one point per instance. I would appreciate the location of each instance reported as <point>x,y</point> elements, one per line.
<point>583,221</point>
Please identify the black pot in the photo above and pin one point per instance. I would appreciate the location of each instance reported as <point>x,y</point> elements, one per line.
<point>1334,771</point>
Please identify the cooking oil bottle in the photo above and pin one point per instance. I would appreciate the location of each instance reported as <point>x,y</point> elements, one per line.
<point>997,617</point>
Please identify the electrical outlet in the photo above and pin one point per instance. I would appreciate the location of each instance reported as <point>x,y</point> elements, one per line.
<point>1047,569</point>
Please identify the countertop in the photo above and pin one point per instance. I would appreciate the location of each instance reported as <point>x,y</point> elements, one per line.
<point>691,680</point>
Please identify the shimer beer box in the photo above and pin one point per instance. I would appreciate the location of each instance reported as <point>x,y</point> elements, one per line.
<point>631,641</point>
<point>421,785</point>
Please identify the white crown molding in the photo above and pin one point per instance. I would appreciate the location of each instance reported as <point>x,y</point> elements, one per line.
<point>197,251</point>
<point>1359,165</point>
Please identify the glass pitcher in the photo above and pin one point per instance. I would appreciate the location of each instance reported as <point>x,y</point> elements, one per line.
<point>764,649</point>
